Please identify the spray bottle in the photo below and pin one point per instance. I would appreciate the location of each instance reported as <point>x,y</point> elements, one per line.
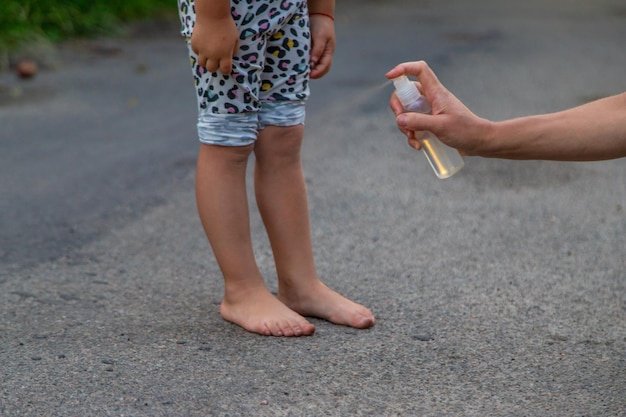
<point>446,161</point>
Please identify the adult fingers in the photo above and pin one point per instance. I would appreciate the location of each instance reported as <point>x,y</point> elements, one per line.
<point>419,69</point>
<point>395,104</point>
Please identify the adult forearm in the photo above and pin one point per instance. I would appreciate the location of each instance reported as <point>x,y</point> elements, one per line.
<point>593,131</point>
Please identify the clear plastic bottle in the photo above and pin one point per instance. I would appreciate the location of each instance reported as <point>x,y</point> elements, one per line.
<point>446,161</point>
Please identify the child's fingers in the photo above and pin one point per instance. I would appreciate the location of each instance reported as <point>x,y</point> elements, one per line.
<point>322,67</point>
<point>317,50</point>
<point>226,62</point>
<point>226,66</point>
<point>210,64</point>
<point>321,58</point>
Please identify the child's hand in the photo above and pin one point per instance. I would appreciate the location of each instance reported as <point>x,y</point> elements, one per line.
<point>215,41</point>
<point>322,44</point>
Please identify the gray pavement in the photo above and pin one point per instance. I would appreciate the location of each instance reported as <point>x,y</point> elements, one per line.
<point>498,292</point>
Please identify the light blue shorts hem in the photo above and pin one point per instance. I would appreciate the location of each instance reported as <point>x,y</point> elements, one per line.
<point>242,129</point>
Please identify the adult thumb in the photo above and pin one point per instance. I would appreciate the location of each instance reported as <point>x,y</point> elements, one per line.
<point>415,121</point>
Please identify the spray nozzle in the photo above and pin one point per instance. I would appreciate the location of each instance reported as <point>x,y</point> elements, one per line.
<point>409,95</point>
<point>406,91</point>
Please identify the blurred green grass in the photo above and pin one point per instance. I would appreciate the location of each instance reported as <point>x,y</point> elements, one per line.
<point>55,20</point>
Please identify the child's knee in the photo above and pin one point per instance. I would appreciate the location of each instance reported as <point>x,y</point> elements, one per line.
<point>232,155</point>
<point>279,145</point>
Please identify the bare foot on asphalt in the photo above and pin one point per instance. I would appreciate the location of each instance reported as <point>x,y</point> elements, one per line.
<point>322,302</point>
<point>259,311</point>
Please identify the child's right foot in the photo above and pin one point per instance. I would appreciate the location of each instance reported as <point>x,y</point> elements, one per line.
<point>317,300</point>
<point>260,312</point>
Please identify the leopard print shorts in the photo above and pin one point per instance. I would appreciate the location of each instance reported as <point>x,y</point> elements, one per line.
<point>269,82</point>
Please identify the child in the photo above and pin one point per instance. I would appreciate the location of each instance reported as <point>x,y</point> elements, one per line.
<point>251,64</point>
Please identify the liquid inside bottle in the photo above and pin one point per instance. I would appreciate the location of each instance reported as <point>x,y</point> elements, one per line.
<point>444,160</point>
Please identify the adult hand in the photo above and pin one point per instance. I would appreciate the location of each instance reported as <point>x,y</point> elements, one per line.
<point>452,122</point>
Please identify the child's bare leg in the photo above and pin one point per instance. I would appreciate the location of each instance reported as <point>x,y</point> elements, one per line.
<point>282,200</point>
<point>223,208</point>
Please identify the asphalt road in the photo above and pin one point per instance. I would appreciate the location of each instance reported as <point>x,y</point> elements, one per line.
<point>498,292</point>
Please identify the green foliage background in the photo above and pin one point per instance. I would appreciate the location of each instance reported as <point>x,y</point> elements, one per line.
<point>22,20</point>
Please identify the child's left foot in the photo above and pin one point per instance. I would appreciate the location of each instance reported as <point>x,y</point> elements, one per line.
<point>324,303</point>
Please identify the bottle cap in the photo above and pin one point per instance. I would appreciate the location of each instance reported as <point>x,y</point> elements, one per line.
<point>406,90</point>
